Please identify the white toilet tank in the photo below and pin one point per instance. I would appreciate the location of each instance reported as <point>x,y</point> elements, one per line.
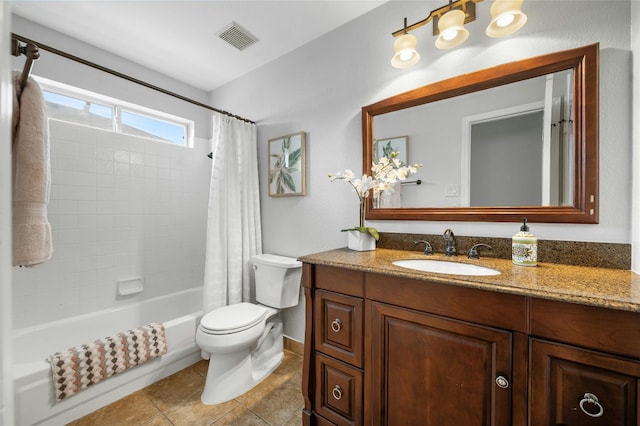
<point>277,280</point>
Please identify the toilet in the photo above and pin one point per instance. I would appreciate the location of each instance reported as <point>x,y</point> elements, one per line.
<point>244,340</point>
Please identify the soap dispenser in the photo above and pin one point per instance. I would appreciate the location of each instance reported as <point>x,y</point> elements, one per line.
<point>524,247</point>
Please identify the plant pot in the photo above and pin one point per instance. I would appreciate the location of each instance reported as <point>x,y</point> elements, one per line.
<point>361,241</point>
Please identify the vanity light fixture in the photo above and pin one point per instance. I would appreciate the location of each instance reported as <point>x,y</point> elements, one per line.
<point>405,55</point>
<point>448,24</point>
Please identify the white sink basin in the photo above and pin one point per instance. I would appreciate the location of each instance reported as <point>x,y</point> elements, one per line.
<point>444,267</point>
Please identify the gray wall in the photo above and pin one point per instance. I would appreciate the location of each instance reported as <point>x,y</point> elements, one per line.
<point>321,87</point>
<point>635,46</point>
<point>506,162</point>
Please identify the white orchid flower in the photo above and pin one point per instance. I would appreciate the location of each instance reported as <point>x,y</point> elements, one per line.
<point>385,173</point>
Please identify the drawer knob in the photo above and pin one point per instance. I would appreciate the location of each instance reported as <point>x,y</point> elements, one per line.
<point>590,398</point>
<point>336,325</point>
<point>337,392</point>
<point>502,382</point>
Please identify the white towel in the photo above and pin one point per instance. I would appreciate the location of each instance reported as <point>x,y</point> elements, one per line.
<point>31,175</point>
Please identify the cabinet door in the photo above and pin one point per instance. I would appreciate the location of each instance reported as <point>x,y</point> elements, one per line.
<point>576,387</point>
<point>432,371</point>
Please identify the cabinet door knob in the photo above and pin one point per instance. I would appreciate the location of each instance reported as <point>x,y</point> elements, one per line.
<point>502,382</point>
<point>336,325</point>
<point>590,398</point>
<point>337,392</point>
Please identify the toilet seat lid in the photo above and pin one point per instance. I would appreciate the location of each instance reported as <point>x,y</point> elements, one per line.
<point>233,318</point>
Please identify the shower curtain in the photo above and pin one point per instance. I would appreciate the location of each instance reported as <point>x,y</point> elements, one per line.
<point>233,227</point>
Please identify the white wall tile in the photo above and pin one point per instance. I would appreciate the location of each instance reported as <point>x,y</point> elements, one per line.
<point>121,156</point>
<point>68,221</point>
<point>87,192</point>
<point>105,180</point>
<point>104,152</point>
<point>87,178</point>
<point>104,166</point>
<point>67,162</point>
<point>120,207</point>
<point>65,177</point>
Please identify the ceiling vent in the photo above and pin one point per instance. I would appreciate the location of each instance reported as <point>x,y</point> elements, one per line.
<point>237,36</point>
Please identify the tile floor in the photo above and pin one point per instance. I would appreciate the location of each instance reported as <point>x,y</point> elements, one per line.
<point>175,400</point>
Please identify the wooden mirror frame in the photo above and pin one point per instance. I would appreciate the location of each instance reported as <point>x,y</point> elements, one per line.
<point>585,63</point>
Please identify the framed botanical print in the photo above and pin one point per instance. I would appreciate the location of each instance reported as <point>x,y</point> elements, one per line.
<point>384,148</point>
<point>287,165</point>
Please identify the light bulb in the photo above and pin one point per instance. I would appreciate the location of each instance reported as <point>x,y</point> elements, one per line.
<point>405,55</point>
<point>505,20</point>
<point>450,34</point>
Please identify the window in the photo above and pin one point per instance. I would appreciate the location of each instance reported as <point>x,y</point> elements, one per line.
<point>67,108</point>
<point>67,103</point>
<point>142,125</point>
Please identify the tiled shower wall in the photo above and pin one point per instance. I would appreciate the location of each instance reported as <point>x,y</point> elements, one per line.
<point>121,207</point>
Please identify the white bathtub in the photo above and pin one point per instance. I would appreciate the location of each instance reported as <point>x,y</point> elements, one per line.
<point>34,396</point>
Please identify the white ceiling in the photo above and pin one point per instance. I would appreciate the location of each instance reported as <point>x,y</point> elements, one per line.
<point>179,38</point>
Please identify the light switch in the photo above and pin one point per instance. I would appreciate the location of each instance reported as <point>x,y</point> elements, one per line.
<point>451,190</point>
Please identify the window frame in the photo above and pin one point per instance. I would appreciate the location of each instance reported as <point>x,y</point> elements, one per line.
<point>117,107</point>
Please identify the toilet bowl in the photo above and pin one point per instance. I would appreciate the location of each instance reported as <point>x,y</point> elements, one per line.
<point>244,340</point>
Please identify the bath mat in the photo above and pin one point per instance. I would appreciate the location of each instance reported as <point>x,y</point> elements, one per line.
<point>79,367</point>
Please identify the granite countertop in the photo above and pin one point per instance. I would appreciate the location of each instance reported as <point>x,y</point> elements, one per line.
<point>608,288</point>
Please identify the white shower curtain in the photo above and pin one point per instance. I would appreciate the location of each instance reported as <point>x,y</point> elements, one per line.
<point>233,228</point>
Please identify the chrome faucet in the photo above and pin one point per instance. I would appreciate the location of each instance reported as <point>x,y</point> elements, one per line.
<point>428,250</point>
<point>473,251</point>
<point>450,248</point>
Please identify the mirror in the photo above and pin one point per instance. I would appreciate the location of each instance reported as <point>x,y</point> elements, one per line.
<point>519,139</point>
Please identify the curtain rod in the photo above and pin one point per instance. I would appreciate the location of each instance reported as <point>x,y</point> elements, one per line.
<point>124,76</point>
<point>31,52</point>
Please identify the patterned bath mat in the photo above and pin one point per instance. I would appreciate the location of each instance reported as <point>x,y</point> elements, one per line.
<point>82,366</point>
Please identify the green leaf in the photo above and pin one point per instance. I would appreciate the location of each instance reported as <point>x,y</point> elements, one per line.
<point>372,231</point>
<point>288,181</point>
<point>294,157</point>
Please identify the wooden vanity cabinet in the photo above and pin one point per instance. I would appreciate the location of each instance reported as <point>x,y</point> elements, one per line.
<point>392,351</point>
<point>387,350</point>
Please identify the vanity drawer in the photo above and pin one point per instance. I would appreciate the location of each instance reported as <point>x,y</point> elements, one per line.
<point>607,330</point>
<point>339,325</point>
<point>339,391</point>
<point>343,281</point>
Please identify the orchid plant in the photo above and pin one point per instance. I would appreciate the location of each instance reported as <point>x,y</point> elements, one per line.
<point>386,172</point>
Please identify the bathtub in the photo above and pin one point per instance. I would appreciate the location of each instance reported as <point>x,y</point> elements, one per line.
<point>34,396</point>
